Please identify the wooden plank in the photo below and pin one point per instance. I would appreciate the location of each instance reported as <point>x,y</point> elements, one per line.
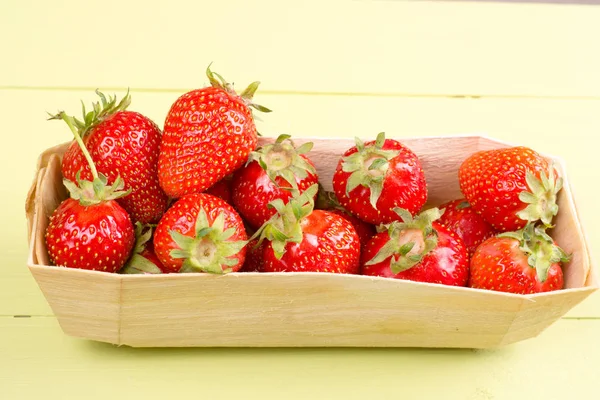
<point>553,126</point>
<point>38,361</point>
<point>433,48</point>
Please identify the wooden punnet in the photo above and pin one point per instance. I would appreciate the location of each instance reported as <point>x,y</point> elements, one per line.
<point>304,309</point>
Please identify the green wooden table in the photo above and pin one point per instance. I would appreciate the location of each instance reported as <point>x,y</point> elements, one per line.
<point>524,73</point>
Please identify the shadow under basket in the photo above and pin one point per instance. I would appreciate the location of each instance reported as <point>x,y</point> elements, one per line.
<point>304,309</point>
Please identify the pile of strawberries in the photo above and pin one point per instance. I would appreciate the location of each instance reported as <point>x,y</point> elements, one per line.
<point>202,196</point>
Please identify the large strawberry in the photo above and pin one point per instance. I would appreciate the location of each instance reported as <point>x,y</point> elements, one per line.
<point>90,230</point>
<point>510,187</point>
<point>274,171</point>
<point>208,134</point>
<point>144,259</point>
<point>463,220</point>
<point>201,233</point>
<point>122,143</point>
<point>418,249</point>
<point>373,178</point>
<point>523,262</point>
<point>301,239</point>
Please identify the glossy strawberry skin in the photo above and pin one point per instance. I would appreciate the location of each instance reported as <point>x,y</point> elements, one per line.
<point>446,264</point>
<point>181,217</point>
<point>404,186</point>
<point>125,144</point>
<point>492,180</point>
<point>329,244</point>
<point>222,190</point>
<point>499,264</point>
<point>463,220</point>
<point>252,190</point>
<point>208,134</point>
<point>364,230</point>
<point>97,237</point>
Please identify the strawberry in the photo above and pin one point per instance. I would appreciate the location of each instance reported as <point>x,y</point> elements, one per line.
<point>208,134</point>
<point>254,257</point>
<point>418,249</point>
<point>463,220</point>
<point>327,201</point>
<point>222,189</point>
<point>274,171</point>
<point>144,259</point>
<point>373,178</point>
<point>299,238</point>
<point>510,187</point>
<point>201,233</point>
<point>524,261</point>
<point>90,230</point>
<point>122,143</point>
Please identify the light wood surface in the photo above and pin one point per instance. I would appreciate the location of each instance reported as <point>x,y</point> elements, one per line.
<point>519,72</point>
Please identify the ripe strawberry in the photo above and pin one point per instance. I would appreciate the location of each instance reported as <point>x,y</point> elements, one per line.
<point>201,233</point>
<point>208,134</point>
<point>222,189</point>
<point>90,230</point>
<point>510,187</point>
<point>274,171</point>
<point>254,257</point>
<point>463,220</point>
<point>418,249</point>
<point>373,178</point>
<point>327,201</point>
<point>143,260</point>
<point>122,143</point>
<point>523,262</point>
<point>301,239</point>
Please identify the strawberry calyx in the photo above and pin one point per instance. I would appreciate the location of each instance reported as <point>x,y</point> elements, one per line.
<point>283,159</point>
<point>95,191</point>
<point>138,264</point>
<point>541,198</point>
<point>210,249</point>
<point>218,81</point>
<point>100,112</point>
<point>285,225</point>
<point>410,240</point>
<point>539,247</point>
<point>368,167</point>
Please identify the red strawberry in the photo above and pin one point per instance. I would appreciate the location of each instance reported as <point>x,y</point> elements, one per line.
<point>201,233</point>
<point>208,134</point>
<point>327,201</point>
<point>254,257</point>
<point>301,239</point>
<point>510,187</point>
<point>418,249</point>
<point>274,171</point>
<point>523,262</point>
<point>90,230</point>
<point>143,260</point>
<point>222,189</point>
<point>463,220</point>
<point>121,143</point>
<point>373,178</point>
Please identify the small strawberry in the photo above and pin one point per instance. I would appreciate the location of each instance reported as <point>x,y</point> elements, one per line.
<point>373,178</point>
<point>143,260</point>
<point>523,262</point>
<point>510,187</point>
<point>201,233</point>
<point>254,257</point>
<point>208,134</point>
<point>418,249</point>
<point>222,189</point>
<point>122,143</point>
<point>90,230</point>
<point>463,220</point>
<point>328,201</point>
<point>274,171</point>
<point>301,239</point>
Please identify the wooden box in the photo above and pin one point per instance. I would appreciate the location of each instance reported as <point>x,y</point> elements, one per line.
<point>304,309</point>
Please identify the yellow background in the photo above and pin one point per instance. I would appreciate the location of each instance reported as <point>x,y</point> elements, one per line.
<point>524,73</point>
